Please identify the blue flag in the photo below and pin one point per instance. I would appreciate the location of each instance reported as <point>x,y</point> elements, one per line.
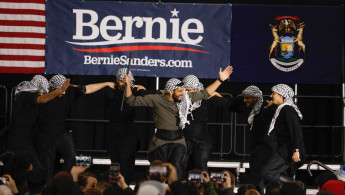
<point>287,44</point>
<point>167,40</point>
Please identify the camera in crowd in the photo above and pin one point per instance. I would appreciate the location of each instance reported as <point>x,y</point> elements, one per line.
<point>114,170</point>
<point>158,171</point>
<point>3,180</point>
<point>217,176</point>
<point>83,160</point>
<point>195,177</point>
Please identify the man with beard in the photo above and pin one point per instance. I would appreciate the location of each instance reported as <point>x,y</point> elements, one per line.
<point>168,144</point>
<point>258,120</point>
<point>199,143</point>
<point>52,135</point>
<point>122,140</point>
<point>27,96</point>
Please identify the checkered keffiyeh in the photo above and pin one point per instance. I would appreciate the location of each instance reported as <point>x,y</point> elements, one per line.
<point>25,86</point>
<point>288,94</point>
<point>41,82</point>
<point>172,84</point>
<point>254,91</point>
<point>192,82</point>
<point>57,81</point>
<point>122,72</point>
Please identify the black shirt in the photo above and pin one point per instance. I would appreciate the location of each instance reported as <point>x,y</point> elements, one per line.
<point>114,101</point>
<point>198,124</point>
<point>52,115</point>
<point>24,115</point>
<point>261,122</point>
<point>287,132</point>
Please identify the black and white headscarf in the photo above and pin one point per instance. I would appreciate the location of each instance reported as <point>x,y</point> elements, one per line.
<point>57,81</point>
<point>25,86</point>
<point>41,82</point>
<point>288,94</point>
<point>193,82</point>
<point>186,106</point>
<point>182,106</point>
<point>122,72</point>
<point>254,91</point>
<point>172,84</point>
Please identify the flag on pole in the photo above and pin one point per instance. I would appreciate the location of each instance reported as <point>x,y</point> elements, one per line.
<point>22,36</point>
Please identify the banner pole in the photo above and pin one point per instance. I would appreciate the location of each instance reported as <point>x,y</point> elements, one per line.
<point>157,88</point>
<point>157,83</point>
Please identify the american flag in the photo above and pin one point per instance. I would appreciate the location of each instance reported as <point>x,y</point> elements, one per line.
<point>22,36</point>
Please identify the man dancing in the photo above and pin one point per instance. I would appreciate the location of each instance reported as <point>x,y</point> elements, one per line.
<point>199,143</point>
<point>52,135</point>
<point>122,140</point>
<point>259,120</point>
<point>284,136</point>
<point>168,143</point>
<point>27,96</point>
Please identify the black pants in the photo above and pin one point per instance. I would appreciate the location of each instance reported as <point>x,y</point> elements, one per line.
<point>47,146</point>
<point>122,150</point>
<point>172,153</point>
<point>200,150</point>
<point>274,168</point>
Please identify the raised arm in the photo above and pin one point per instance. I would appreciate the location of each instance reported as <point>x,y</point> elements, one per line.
<point>223,75</point>
<point>49,96</point>
<point>91,88</point>
<point>127,80</point>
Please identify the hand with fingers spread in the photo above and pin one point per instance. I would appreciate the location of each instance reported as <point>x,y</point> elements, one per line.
<point>223,75</point>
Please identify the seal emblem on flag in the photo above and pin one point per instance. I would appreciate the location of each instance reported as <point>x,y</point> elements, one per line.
<point>287,51</point>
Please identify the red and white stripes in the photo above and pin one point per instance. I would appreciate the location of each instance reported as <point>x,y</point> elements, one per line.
<point>22,36</point>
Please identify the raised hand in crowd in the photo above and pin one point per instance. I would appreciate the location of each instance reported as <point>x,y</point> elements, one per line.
<point>227,181</point>
<point>76,170</point>
<point>121,182</point>
<point>172,175</point>
<point>11,184</point>
<point>206,177</point>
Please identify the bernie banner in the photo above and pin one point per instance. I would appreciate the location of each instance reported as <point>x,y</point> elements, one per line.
<point>167,40</point>
<point>287,44</point>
